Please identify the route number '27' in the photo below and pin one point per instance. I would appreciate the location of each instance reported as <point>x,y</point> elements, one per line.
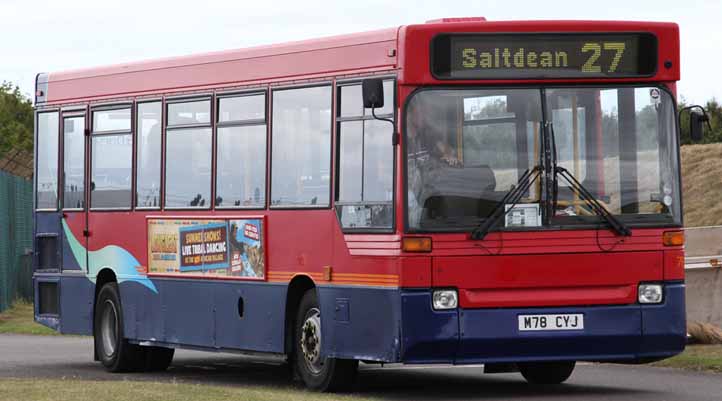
<point>596,50</point>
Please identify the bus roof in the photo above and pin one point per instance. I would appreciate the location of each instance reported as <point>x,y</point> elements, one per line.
<point>367,52</point>
<point>337,55</point>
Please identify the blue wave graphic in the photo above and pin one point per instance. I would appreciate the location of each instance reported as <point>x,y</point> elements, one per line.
<point>113,257</point>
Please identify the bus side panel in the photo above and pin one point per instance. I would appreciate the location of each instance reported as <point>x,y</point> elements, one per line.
<point>142,311</point>
<point>76,304</point>
<point>76,224</point>
<point>361,323</point>
<point>205,313</point>
<point>261,328</point>
<point>188,311</point>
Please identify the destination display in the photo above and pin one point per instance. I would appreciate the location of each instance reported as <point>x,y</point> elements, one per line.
<point>543,56</point>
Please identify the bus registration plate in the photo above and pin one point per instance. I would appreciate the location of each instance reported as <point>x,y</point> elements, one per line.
<point>551,322</point>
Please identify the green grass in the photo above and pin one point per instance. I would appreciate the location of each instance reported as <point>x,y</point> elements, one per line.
<point>19,320</point>
<point>87,390</point>
<point>697,357</point>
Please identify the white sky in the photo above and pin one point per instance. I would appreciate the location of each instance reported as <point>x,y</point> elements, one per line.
<point>53,35</point>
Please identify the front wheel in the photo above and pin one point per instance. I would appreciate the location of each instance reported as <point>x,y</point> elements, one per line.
<point>318,373</point>
<point>547,372</point>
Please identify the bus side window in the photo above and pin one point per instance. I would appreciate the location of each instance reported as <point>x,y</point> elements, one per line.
<point>147,191</point>
<point>111,159</point>
<point>365,172</point>
<point>188,154</point>
<point>301,147</point>
<point>73,182</point>
<point>241,151</point>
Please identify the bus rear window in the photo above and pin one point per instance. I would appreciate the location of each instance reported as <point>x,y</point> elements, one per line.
<point>47,157</point>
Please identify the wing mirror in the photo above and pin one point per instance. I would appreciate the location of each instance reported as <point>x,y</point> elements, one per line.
<point>697,119</point>
<point>372,91</point>
<point>696,125</point>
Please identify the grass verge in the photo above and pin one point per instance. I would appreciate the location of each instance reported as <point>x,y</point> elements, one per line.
<point>87,390</point>
<point>696,357</point>
<point>19,320</point>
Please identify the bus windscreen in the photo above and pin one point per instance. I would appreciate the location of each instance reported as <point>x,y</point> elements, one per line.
<point>543,56</point>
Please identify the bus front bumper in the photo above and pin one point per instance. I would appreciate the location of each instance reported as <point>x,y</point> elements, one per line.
<point>621,333</point>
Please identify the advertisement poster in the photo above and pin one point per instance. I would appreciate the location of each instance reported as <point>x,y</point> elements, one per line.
<point>225,248</point>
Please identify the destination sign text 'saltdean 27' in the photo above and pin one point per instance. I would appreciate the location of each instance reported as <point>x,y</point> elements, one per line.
<point>514,56</point>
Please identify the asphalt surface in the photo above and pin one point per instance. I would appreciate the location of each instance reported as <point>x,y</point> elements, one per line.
<point>71,357</point>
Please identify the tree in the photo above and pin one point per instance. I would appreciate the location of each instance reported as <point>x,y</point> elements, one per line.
<point>16,119</point>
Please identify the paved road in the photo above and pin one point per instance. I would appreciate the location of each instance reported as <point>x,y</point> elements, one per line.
<point>71,357</point>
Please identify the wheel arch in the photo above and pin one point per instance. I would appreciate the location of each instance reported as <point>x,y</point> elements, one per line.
<point>296,288</point>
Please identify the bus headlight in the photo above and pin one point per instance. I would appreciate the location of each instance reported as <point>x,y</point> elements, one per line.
<point>650,293</point>
<point>445,299</point>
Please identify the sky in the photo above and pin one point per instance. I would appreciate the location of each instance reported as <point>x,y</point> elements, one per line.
<point>51,35</point>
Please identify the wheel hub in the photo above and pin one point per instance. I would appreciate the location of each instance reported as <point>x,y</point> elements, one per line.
<point>311,340</point>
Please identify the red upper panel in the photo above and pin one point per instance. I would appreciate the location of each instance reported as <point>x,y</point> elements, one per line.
<point>333,56</point>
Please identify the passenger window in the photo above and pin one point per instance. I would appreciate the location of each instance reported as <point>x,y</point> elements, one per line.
<point>246,108</point>
<point>365,181</point>
<point>74,163</point>
<point>189,113</point>
<point>188,155</point>
<point>241,152</point>
<point>148,136</point>
<point>47,156</point>
<point>301,154</point>
<point>111,159</point>
<point>111,120</point>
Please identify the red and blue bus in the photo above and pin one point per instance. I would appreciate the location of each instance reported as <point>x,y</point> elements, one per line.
<point>458,192</point>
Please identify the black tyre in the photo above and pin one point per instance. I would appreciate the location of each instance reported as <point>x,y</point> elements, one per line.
<point>321,374</point>
<point>113,350</point>
<point>547,372</point>
<point>158,359</point>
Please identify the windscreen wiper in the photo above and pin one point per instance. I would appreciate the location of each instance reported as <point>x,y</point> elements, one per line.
<point>513,197</point>
<point>616,225</point>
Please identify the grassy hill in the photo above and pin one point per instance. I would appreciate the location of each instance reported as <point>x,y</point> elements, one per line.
<point>702,184</point>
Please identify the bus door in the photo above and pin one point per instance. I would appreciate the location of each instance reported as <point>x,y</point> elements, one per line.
<point>73,195</point>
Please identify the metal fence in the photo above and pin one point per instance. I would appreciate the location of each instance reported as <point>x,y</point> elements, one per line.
<point>16,202</point>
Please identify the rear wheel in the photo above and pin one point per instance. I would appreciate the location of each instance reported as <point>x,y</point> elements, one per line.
<point>316,372</point>
<point>547,372</point>
<point>114,351</point>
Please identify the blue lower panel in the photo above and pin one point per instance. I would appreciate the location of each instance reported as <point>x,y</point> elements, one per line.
<point>76,304</point>
<point>665,326</point>
<point>429,336</point>
<point>205,313</point>
<point>360,323</point>
<point>611,333</point>
<point>492,335</point>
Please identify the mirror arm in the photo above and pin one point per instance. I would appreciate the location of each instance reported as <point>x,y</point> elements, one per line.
<point>395,137</point>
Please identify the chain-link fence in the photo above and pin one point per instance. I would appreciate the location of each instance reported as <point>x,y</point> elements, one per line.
<point>16,202</point>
